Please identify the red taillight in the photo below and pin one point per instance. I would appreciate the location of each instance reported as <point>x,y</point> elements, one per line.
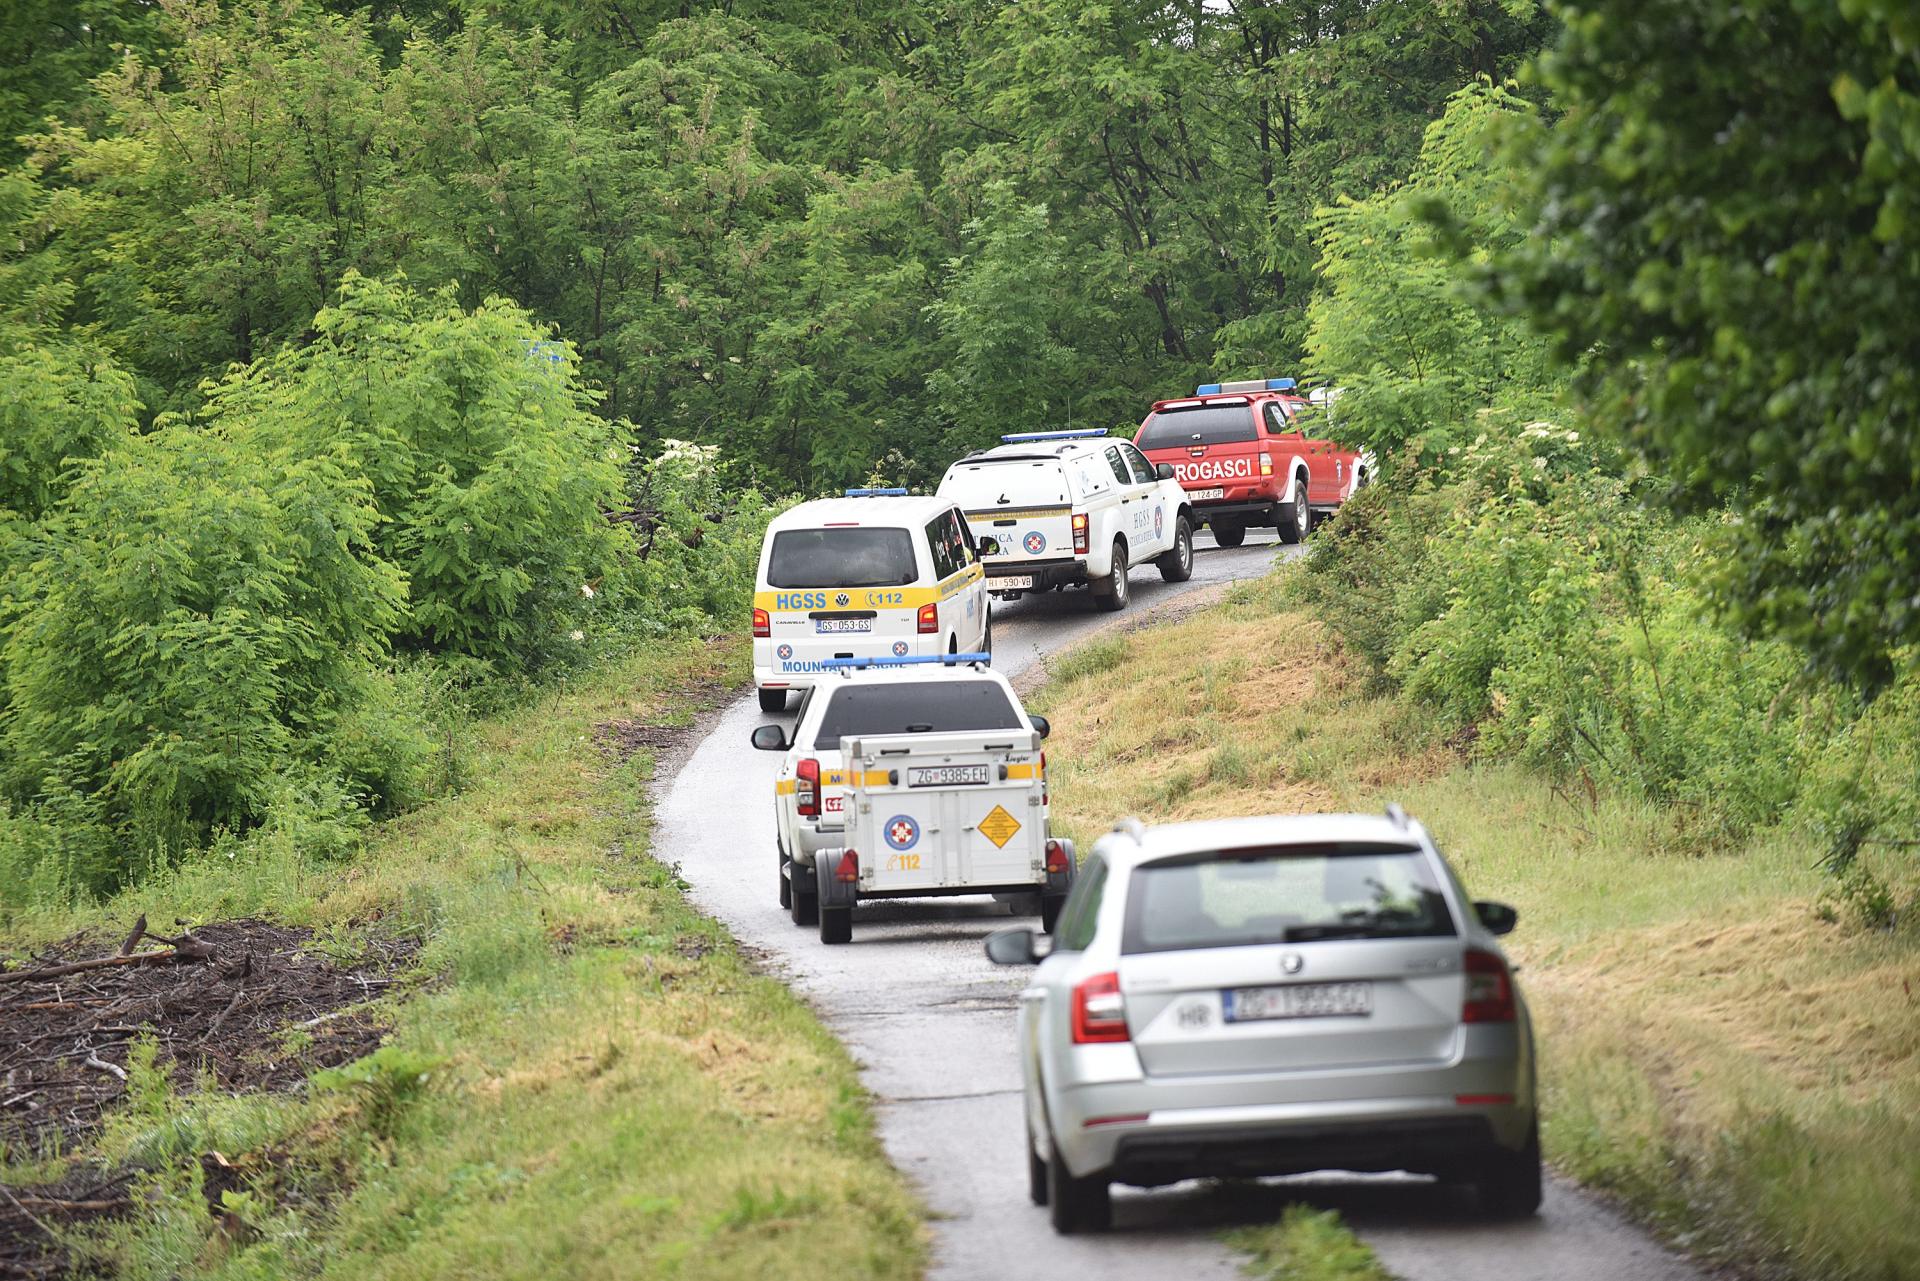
<point>762,626</point>
<point>806,788</point>
<point>1099,1011</point>
<point>1124,1118</point>
<point>1483,1100</point>
<point>1056,858</point>
<point>847,870</point>
<point>1043,778</point>
<point>929,621</point>
<point>1080,531</point>
<point>1489,990</point>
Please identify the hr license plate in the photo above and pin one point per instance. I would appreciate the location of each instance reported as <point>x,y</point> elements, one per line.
<point>946,775</point>
<point>826,625</point>
<point>1010,582</point>
<point>1206,495</point>
<point>1297,1001</point>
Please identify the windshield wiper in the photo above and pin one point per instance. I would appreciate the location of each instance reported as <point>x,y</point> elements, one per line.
<point>1359,927</point>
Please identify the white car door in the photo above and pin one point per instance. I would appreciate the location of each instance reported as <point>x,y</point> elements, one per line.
<point>1136,508</point>
<point>1152,498</point>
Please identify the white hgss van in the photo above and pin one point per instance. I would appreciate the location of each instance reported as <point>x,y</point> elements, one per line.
<point>876,574</point>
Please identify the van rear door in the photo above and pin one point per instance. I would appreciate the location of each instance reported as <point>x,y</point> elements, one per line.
<point>1022,501</point>
<point>946,813</point>
<point>839,591</point>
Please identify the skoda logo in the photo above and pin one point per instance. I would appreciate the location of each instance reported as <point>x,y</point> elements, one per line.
<point>1291,962</point>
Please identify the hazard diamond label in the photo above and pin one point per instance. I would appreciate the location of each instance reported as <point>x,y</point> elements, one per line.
<point>999,826</point>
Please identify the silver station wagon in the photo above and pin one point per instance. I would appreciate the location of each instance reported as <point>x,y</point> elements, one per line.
<point>1265,996</point>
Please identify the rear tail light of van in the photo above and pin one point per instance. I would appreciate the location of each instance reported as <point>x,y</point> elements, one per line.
<point>929,619</point>
<point>1099,1011</point>
<point>1079,531</point>
<point>1056,858</point>
<point>762,625</point>
<point>806,788</point>
<point>847,870</point>
<point>1266,463</point>
<point>1489,997</point>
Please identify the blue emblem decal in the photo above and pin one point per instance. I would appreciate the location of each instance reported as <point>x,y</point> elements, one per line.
<point>900,649</point>
<point>785,652</point>
<point>1035,542</point>
<point>1159,521</point>
<point>902,832</point>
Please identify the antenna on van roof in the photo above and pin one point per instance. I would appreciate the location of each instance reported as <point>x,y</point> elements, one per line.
<point>1396,815</point>
<point>1132,827</point>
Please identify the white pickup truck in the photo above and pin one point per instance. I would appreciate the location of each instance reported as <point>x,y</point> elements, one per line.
<point>939,814</point>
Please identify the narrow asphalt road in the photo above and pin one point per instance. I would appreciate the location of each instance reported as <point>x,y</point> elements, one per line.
<point>931,1022</point>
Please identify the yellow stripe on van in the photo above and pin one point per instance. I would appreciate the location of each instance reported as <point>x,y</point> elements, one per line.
<point>828,599</point>
<point>833,778</point>
<point>1029,513</point>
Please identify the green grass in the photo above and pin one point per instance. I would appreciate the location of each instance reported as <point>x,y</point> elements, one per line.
<point>1307,1245</point>
<point>1722,1044</point>
<point>593,1083</point>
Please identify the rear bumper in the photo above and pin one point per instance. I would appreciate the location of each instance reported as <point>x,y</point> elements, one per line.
<point>1057,572</point>
<point>1427,1144</point>
<point>799,667</point>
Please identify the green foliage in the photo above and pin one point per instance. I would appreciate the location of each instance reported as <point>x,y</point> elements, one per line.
<point>383,1083</point>
<point>1860,793</point>
<point>1416,354</point>
<point>201,610</point>
<point>1726,208</point>
<point>1308,1245</point>
<point>694,567</point>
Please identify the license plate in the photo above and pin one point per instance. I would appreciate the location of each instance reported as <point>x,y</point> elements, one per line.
<point>1297,1001</point>
<point>828,625</point>
<point>1206,495</point>
<point>946,775</point>
<point>1010,582</point>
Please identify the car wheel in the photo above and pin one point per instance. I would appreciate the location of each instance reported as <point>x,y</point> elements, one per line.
<point>1111,593</point>
<point>1036,1174</point>
<point>1077,1205</point>
<point>1229,535</point>
<point>1176,565</point>
<point>1510,1182</point>
<point>773,700</point>
<point>1050,905</point>
<point>804,901</point>
<point>836,924</point>
<point>1297,521</point>
<point>986,637</point>
<point>786,885</point>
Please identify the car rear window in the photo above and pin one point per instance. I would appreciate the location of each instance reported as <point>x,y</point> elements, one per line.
<point>1199,425</point>
<point>914,707</point>
<point>875,557</point>
<point>1284,894</point>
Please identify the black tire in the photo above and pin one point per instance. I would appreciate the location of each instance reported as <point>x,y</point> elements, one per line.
<point>986,638</point>
<point>1296,522</point>
<point>1176,565</point>
<point>804,899</point>
<point>1510,1183</point>
<point>1110,593</point>
<point>786,885</point>
<point>1077,1205</point>
<point>836,924</point>
<point>1036,1175</point>
<point>1229,535</point>
<point>773,700</point>
<point>1050,905</point>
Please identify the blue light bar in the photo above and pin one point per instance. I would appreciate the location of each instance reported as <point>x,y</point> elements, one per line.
<point>1207,389</point>
<point>876,493</point>
<point>1074,433</point>
<point>1280,384</point>
<point>945,660</point>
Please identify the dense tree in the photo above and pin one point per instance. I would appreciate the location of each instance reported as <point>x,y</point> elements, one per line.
<point>1728,216</point>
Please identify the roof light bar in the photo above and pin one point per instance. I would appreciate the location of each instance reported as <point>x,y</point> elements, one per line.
<point>912,660</point>
<point>1250,384</point>
<point>1075,433</point>
<point>877,493</point>
<point>1207,389</point>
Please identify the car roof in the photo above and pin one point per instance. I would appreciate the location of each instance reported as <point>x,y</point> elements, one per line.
<point>883,510</point>
<point>833,680</point>
<point>1131,844</point>
<point>1032,451</point>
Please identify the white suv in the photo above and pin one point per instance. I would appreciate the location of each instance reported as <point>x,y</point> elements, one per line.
<point>1057,509</point>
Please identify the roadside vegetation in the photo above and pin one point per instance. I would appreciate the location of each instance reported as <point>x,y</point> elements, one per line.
<point>1728,1041</point>
<point>581,1075</point>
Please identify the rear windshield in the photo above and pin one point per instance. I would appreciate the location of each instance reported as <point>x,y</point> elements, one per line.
<point>914,707</point>
<point>842,558</point>
<point>1200,425</point>
<point>1283,894</point>
<point>1016,482</point>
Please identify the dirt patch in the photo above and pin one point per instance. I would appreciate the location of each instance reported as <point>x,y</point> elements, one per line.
<point>624,737</point>
<point>251,1004</point>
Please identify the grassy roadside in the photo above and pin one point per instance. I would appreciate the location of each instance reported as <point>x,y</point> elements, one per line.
<point>1732,1059</point>
<point>592,1082</point>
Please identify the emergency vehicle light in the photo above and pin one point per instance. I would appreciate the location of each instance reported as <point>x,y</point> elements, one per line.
<point>855,664</point>
<point>1207,389</point>
<point>877,493</point>
<point>1251,384</point>
<point>1072,433</point>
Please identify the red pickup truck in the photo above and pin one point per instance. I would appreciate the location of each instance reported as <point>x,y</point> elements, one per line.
<point>1243,455</point>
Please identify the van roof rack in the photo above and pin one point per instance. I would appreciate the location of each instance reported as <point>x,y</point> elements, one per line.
<point>911,660</point>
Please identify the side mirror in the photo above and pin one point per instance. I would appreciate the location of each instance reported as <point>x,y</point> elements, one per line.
<point>770,738</point>
<point>989,546</point>
<point>1497,917</point>
<point>1041,725</point>
<point>1016,946</point>
<point>1163,470</point>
